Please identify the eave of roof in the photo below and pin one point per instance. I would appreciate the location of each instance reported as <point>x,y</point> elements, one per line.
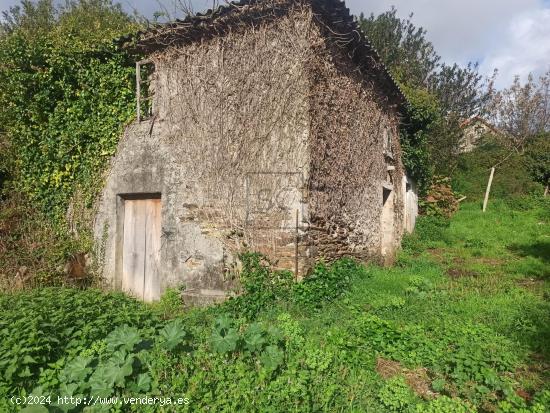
<point>336,14</point>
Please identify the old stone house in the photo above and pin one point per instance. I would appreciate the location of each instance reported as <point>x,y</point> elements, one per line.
<point>474,129</point>
<point>267,125</point>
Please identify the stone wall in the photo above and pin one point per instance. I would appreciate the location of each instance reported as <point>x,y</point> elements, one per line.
<point>352,124</point>
<point>227,149</point>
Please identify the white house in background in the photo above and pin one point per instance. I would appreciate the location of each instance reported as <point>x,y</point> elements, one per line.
<point>473,130</point>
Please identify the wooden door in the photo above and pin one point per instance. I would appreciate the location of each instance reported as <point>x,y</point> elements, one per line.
<point>141,248</point>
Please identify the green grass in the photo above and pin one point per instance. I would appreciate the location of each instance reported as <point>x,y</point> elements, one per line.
<point>511,179</point>
<point>487,272</point>
<point>461,323</point>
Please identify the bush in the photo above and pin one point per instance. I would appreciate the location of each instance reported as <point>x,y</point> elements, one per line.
<point>261,286</point>
<point>529,202</point>
<point>462,354</point>
<point>429,231</point>
<point>395,395</point>
<point>445,404</point>
<point>538,159</point>
<point>32,252</point>
<point>432,228</point>
<point>42,326</point>
<point>440,200</point>
<point>512,177</point>
<point>326,283</point>
<point>170,304</point>
<point>66,94</point>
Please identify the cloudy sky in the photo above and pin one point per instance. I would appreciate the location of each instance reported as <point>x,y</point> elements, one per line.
<point>511,35</point>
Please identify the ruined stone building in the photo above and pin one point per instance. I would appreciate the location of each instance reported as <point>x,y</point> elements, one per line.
<point>264,125</point>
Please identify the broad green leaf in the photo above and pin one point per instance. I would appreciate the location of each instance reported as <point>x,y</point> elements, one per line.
<point>271,358</point>
<point>100,387</point>
<point>112,373</point>
<point>142,384</point>
<point>254,328</point>
<point>77,370</point>
<point>223,323</point>
<point>68,389</point>
<point>275,334</point>
<point>25,373</point>
<point>254,342</point>
<point>172,334</point>
<point>12,368</point>
<point>124,371</point>
<point>254,337</point>
<point>118,357</point>
<point>124,337</point>
<point>226,343</point>
<point>29,360</point>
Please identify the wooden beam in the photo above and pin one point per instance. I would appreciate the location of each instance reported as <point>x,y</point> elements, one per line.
<point>486,200</point>
<point>296,246</point>
<point>138,90</point>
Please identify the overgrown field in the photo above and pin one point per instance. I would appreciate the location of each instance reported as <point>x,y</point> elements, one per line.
<point>461,324</point>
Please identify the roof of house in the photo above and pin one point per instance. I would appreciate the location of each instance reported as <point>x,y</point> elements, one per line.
<point>478,119</point>
<point>334,13</point>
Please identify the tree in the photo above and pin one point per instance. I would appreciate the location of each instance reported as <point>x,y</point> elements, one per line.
<point>448,93</point>
<point>412,58</point>
<point>462,91</point>
<point>65,92</point>
<point>402,46</point>
<point>538,159</point>
<point>423,114</point>
<point>522,110</point>
<point>31,17</point>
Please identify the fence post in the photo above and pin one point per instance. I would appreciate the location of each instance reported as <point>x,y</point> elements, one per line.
<point>488,189</point>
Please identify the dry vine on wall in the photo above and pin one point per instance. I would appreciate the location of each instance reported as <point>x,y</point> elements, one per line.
<point>350,116</point>
<point>235,109</point>
<point>270,117</point>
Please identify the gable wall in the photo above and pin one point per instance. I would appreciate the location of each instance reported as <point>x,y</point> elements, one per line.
<point>227,149</point>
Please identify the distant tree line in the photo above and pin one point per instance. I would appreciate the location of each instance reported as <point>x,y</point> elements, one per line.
<point>65,91</point>
<point>441,96</point>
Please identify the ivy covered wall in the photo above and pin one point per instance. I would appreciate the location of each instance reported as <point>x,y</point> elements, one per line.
<point>65,94</point>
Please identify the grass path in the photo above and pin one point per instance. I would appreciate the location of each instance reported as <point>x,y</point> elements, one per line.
<point>477,287</point>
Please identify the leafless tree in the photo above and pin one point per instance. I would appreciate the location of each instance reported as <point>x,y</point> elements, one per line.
<point>522,110</point>
<point>173,9</point>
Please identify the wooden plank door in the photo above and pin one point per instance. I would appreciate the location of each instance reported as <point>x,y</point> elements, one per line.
<point>141,248</point>
<point>151,289</point>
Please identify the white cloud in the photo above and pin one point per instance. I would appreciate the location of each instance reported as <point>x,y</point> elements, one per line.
<point>461,30</point>
<point>513,35</point>
<point>525,48</point>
